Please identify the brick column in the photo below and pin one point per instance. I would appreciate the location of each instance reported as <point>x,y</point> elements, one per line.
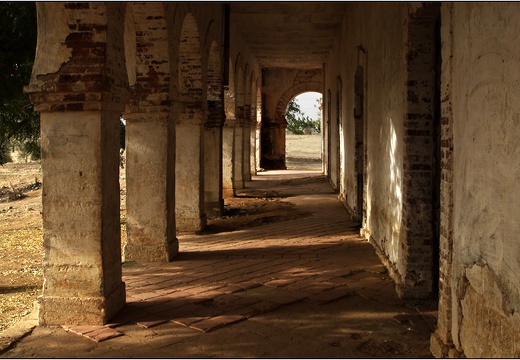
<point>246,143</point>
<point>273,145</point>
<point>80,91</point>
<point>150,137</point>
<point>228,164</point>
<point>189,176</point>
<point>238,173</point>
<point>150,183</point>
<point>214,204</point>
<point>82,266</point>
<point>258,141</point>
<point>253,149</point>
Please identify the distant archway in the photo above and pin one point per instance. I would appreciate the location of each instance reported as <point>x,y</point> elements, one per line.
<point>303,140</point>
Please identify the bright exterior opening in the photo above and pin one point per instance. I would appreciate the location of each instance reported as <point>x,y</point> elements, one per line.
<point>303,143</point>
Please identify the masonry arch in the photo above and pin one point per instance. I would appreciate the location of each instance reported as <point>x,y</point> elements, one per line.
<point>281,107</point>
<point>304,141</point>
<point>189,169</point>
<point>290,94</point>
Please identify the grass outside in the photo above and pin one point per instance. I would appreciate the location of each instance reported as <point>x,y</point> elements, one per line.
<point>303,152</point>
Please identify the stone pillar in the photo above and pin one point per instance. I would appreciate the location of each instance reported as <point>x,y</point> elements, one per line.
<point>238,173</point>
<point>150,182</point>
<point>81,226</point>
<point>253,149</point>
<point>258,141</point>
<point>246,140</point>
<point>273,145</point>
<point>228,164</point>
<point>247,152</point>
<point>80,90</point>
<point>214,204</point>
<point>189,177</point>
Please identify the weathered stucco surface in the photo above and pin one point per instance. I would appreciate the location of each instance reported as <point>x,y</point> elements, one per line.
<point>486,169</point>
<point>378,31</point>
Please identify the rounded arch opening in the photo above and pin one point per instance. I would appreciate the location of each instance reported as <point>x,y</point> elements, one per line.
<point>303,143</point>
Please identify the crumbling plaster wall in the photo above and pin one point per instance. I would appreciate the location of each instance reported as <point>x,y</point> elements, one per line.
<point>379,29</point>
<point>486,201</point>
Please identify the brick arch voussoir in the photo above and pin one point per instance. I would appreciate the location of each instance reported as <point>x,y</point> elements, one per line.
<point>292,92</point>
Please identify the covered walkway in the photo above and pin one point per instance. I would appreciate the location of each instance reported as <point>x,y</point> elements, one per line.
<point>305,287</point>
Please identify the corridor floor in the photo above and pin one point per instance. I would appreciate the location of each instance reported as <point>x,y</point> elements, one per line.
<point>307,287</point>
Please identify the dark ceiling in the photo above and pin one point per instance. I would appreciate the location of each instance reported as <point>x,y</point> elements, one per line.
<point>288,34</point>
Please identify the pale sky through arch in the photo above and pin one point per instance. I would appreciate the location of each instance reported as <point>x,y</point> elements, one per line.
<point>307,102</point>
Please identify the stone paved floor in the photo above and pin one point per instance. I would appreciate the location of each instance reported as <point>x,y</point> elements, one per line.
<point>309,287</point>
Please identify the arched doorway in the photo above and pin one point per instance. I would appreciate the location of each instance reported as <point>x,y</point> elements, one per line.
<point>303,140</point>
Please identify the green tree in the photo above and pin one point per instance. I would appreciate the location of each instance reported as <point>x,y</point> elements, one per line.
<point>297,123</point>
<point>18,121</point>
<point>318,106</point>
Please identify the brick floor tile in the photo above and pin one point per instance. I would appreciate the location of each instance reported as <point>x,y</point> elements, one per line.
<point>144,296</point>
<point>331,295</point>
<point>188,320</point>
<point>264,306</point>
<point>214,323</point>
<point>81,329</point>
<point>152,323</point>
<point>301,284</point>
<point>278,283</point>
<point>246,311</point>
<point>226,298</point>
<point>246,285</point>
<point>96,333</point>
<point>319,287</point>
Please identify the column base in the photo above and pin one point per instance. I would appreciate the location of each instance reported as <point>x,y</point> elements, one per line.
<point>58,310</point>
<point>214,208</point>
<point>273,164</point>
<point>146,252</point>
<point>228,193</point>
<point>190,224</point>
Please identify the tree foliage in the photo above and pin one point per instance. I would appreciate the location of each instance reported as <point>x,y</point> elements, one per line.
<point>18,122</point>
<point>297,123</point>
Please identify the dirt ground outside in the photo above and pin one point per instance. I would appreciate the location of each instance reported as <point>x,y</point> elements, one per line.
<point>21,239</point>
